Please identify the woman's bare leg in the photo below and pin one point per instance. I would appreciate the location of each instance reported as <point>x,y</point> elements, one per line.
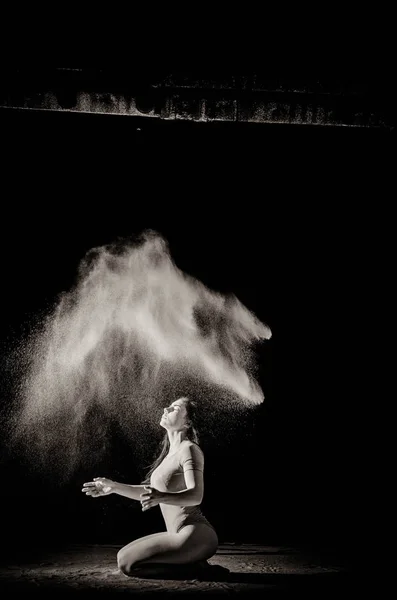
<point>192,544</point>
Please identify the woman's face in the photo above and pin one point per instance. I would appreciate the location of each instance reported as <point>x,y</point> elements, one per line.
<point>174,417</point>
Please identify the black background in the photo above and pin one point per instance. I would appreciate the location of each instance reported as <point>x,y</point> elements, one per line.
<point>282,216</point>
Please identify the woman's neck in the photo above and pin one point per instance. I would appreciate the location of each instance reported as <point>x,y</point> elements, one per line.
<point>176,438</point>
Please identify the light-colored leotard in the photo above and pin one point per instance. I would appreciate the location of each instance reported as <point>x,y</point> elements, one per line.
<point>169,477</point>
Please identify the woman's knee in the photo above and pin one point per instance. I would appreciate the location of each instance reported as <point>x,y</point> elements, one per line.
<point>137,552</point>
<point>125,561</point>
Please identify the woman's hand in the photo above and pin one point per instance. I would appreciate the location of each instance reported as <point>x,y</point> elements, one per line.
<point>151,497</point>
<point>99,486</point>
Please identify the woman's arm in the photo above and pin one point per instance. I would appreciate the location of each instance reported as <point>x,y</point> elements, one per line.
<point>191,496</point>
<point>100,486</point>
<point>129,491</point>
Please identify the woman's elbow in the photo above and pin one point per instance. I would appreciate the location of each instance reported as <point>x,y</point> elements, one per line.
<point>196,496</point>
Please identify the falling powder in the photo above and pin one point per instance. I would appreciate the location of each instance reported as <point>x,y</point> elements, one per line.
<point>133,334</point>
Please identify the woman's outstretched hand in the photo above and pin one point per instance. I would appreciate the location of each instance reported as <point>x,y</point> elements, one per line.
<point>151,497</point>
<point>99,486</point>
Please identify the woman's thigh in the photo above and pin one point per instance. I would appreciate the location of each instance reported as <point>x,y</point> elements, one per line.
<point>191,544</point>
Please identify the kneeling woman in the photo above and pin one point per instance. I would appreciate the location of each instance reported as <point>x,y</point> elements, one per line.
<point>175,482</point>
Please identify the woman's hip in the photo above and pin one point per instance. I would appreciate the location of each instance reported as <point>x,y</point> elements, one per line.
<point>202,533</point>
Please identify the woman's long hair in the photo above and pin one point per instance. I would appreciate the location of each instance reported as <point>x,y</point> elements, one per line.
<point>191,434</point>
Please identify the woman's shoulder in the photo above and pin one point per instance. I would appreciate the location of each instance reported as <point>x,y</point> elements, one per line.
<point>191,444</point>
<point>191,448</point>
